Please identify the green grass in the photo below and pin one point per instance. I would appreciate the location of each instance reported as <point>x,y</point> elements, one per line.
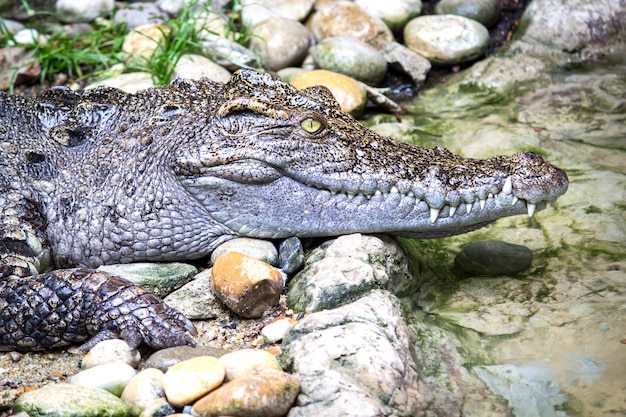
<point>88,55</point>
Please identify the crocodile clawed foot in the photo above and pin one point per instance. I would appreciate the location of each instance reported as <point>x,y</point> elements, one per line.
<point>126,311</point>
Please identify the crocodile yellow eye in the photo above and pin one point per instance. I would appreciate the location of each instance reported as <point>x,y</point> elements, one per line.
<point>311,125</point>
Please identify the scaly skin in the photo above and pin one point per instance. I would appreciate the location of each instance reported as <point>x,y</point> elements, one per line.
<point>170,173</point>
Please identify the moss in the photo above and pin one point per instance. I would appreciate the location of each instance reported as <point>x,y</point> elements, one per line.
<point>592,210</point>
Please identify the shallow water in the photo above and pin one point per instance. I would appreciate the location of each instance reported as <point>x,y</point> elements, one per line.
<point>554,339</point>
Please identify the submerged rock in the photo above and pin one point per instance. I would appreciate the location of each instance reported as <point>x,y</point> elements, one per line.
<point>493,257</point>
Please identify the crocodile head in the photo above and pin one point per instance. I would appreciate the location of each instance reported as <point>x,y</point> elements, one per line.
<point>285,163</point>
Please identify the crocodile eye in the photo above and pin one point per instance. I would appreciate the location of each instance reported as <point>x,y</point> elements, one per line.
<point>311,125</point>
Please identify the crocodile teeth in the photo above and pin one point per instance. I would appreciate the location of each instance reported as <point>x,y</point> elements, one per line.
<point>452,211</point>
<point>468,207</point>
<point>515,200</point>
<point>393,190</point>
<point>482,203</point>
<point>378,192</point>
<point>548,204</point>
<point>508,186</point>
<point>531,209</point>
<point>434,214</point>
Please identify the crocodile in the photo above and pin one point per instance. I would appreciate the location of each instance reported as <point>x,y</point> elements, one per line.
<point>170,173</point>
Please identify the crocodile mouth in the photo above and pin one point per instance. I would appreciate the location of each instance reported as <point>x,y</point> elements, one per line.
<point>496,195</point>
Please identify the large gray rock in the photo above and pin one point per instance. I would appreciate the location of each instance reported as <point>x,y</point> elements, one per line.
<point>346,269</point>
<point>362,360</point>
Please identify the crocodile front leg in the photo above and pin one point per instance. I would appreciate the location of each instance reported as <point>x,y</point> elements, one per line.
<point>63,307</point>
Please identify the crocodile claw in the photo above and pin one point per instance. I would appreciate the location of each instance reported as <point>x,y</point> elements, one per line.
<point>126,311</point>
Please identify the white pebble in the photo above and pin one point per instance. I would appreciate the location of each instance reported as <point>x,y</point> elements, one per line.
<point>275,332</point>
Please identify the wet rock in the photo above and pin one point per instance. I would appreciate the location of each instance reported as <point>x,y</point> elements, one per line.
<point>190,379</point>
<point>351,57</point>
<point>530,390</point>
<point>446,39</point>
<point>344,18</point>
<point>160,279</point>
<point>347,91</point>
<point>139,14</point>
<point>196,299</point>
<point>346,269</point>
<point>246,285</point>
<point>255,11</point>
<point>141,43</point>
<point>395,13</point>
<point>110,351</point>
<point>70,400</point>
<point>112,377</point>
<point>247,361</point>
<point>274,332</point>
<point>493,257</point>
<point>280,41</point>
<point>260,249</point>
<point>163,359</point>
<point>268,393</point>
<point>290,255</point>
<point>83,10</point>
<point>145,393</point>
<point>196,66</point>
<point>130,82</point>
<point>486,12</point>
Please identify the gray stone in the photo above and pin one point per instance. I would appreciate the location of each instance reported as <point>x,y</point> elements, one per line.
<point>346,269</point>
<point>83,10</point>
<point>227,53</point>
<point>579,27</point>
<point>446,39</point>
<point>260,249</point>
<point>165,358</point>
<point>401,57</point>
<point>11,26</point>
<point>281,42</point>
<point>493,257</point>
<point>486,12</point>
<point>196,299</point>
<point>290,255</point>
<point>160,279</point>
<point>138,14</point>
<point>70,400</point>
<point>351,57</point>
<point>196,66</point>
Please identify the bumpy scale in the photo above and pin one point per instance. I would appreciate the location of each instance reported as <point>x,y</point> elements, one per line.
<point>169,173</point>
